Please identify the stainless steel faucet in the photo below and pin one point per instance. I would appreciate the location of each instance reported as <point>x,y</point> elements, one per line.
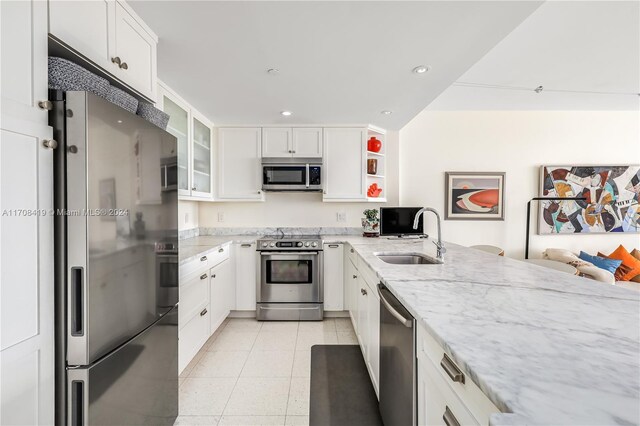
<point>441,249</point>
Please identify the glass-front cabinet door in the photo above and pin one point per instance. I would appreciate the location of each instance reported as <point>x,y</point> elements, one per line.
<point>201,159</point>
<point>179,127</point>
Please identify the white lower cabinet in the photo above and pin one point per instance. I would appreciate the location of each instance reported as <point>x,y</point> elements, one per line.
<point>333,277</point>
<point>222,296</point>
<point>192,336</point>
<point>246,264</point>
<point>363,304</point>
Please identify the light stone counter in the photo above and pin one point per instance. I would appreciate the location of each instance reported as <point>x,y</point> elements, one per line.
<point>545,346</point>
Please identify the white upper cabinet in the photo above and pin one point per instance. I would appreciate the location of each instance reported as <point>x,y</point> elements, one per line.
<point>297,142</point>
<point>111,35</point>
<point>136,49</point>
<point>194,134</point>
<point>344,164</point>
<point>276,142</point>
<point>239,159</point>
<point>84,25</point>
<point>201,165</point>
<point>307,142</point>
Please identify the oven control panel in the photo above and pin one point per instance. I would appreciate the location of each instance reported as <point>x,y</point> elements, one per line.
<point>289,245</point>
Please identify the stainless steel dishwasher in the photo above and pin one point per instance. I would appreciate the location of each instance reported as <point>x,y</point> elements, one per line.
<point>397,362</point>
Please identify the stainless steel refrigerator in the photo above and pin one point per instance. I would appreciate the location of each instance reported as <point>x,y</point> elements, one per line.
<point>116,266</point>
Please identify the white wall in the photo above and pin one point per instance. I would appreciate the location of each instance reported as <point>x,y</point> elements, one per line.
<point>518,143</point>
<point>300,209</point>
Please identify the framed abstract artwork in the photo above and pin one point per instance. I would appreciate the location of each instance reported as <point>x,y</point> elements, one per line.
<point>612,195</point>
<point>474,195</point>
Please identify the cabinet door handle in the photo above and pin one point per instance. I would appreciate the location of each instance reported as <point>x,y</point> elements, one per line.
<point>46,105</point>
<point>334,245</point>
<point>203,276</point>
<point>355,276</point>
<point>193,189</point>
<point>124,66</point>
<point>116,60</point>
<point>449,418</point>
<point>451,369</point>
<point>204,312</point>
<point>50,143</point>
<point>363,291</point>
<point>351,250</point>
<point>213,276</point>
<point>203,258</point>
<point>221,249</point>
<point>245,245</point>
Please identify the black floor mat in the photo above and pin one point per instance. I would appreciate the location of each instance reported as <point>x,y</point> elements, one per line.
<point>341,389</point>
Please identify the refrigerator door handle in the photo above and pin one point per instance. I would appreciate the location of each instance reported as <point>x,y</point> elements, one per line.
<point>76,308</point>
<point>78,397</point>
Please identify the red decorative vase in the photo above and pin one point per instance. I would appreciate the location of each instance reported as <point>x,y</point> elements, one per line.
<point>374,144</point>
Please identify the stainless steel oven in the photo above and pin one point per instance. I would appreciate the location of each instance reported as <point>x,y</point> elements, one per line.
<point>167,273</point>
<point>290,279</point>
<point>291,174</point>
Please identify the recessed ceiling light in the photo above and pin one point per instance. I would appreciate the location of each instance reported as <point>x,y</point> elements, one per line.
<point>285,113</point>
<point>385,112</point>
<point>421,69</point>
<point>119,121</point>
<point>273,71</point>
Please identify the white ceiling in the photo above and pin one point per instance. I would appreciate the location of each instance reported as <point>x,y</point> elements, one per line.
<point>340,62</point>
<point>591,46</point>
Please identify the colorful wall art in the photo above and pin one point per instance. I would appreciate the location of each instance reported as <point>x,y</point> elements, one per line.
<point>612,195</point>
<point>474,195</point>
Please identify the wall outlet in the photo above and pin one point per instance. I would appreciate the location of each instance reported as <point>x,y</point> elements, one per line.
<point>341,216</point>
<point>220,216</point>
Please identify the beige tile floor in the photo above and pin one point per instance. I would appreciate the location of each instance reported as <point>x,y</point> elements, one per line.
<point>256,373</point>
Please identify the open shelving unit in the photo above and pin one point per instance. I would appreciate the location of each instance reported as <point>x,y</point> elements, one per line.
<point>379,157</point>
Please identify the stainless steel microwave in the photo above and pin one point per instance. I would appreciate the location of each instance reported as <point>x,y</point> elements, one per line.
<point>291,174</point>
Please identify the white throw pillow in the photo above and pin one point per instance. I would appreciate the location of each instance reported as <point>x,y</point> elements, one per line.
<point>587,268</point>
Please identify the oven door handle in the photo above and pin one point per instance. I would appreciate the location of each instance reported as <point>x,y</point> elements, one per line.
<point>287,253</point>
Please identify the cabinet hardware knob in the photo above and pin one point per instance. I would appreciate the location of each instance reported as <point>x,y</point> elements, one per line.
<point>355,276</point>
<point>116,60</point>
<point>351,250</point>
<point>124,66</point>
<point>193,189</point>
<point>259,192</point>
<point>451,369</point>
<point>46,105</point>
<point>449,418</point>
<point>204,312</point>
<point>220,250</point>
<point>213,276</point>
<point>50,143</point>
<point>203,276</point>
<point>203,258</point>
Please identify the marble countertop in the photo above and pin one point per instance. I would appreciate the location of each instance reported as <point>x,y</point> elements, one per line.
<point>545,346</point>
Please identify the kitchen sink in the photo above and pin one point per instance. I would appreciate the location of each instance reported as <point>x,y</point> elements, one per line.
<point>408,259</point>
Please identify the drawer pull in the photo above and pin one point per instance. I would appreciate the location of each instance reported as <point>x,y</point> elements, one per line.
<point>451,369</point>
<point>363,291</point>
<point>220,250</point>
<point>351,250</point>
<point>355,277</point>
<point>334,245</point>
<point>245,245</point>
<point>203,276</point>
<point>204,312</point>
<point>203,259</point>
<point>449,418</point>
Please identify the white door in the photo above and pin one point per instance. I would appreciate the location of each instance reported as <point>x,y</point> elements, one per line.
<point>246,259</point>
<point>307,142</point>
<point>276,142</point>
<point>344,164</point>
<point>202,159</point>
<point>239,159</point>
<point>363,321</point>
<point>136,49</point>
<point>333,277</point>
<point>373,342</point>
<point>220,293</point>
<point>85,26</point>
<point>26,223</point>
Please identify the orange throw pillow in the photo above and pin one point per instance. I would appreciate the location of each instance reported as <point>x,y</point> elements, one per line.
<point>636,253</point>
<point>629,261</point>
